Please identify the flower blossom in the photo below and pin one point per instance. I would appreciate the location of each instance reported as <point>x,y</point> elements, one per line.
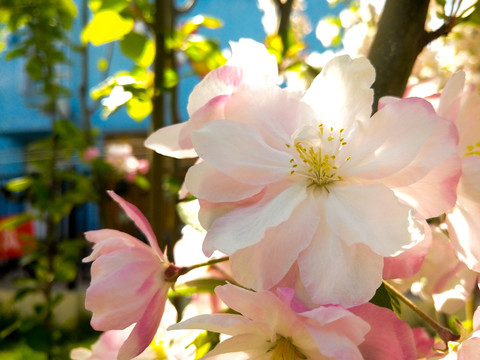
<point>460,105</point>
<point>274,326</point>
<point>128,282</point>
<point>288,182</point>
<point>250,63</point>
<point>163,346</point>
<point>442,278</point>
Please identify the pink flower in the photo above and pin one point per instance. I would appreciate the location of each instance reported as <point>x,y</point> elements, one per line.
<point>442,278</point>
<point>128,282</point>
<point>389,337</point>
<point>250,63</point>
<point>313,182</point>
<point>460,105</point>
<point>91,153</point>
<point>270,326</point>
<point>107,347</point>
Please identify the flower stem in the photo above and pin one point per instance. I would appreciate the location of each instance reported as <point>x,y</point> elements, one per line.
<point>445,334</point>
<point>207,263</point>
<point>173,272</point>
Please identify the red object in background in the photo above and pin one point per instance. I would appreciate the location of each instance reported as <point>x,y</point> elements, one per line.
<point>17,242</point>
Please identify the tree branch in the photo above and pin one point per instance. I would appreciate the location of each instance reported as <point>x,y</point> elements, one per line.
<point>400,38</point>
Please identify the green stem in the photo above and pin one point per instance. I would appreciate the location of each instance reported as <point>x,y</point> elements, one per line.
<point>445,334</point>
<point>207,263</point>
<point>182,271</point>
<point>469,310</point>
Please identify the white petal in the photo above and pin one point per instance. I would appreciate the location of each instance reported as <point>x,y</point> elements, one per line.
<point>371,215</point>
<point>165,141</point>
<point>263,265</point>
<point>244,227</point>
<point>390,140</point>
<point>341,93</point>
<point>240,152</point>
<point>335,273</point>
<point>206,182</point>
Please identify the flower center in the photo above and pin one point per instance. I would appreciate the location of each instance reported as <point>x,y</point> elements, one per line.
<point>283,349</point>
<point>472,150</point>
<point>316,155</point>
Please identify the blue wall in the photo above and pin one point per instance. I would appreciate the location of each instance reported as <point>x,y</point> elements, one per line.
<point>21,123</point>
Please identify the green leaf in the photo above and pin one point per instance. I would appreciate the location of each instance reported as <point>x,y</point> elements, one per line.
<point>138,109</point>
<point>142,182</point>
<point>139,48</point>
<point>196,286</point>
<point>19,184</point>
<point>114,5</point>
<point>170,78</point>
<point>473,18</point>
<point>385,299</point>
<point>70,12</point>
<point>205,342</point>
<point>16,53</point>
<point>107,26</point>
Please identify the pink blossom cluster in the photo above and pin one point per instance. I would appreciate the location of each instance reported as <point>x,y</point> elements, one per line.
<point>316,202</point>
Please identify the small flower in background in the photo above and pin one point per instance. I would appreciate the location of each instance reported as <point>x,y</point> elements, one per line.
<point>121,157</point>
<point>91,153</point>
<point>128,283</point>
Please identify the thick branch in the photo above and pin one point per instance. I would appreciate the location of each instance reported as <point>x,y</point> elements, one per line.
<point>400,38</point>
<point>161,207</point>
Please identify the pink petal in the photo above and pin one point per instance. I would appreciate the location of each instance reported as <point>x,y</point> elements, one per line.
<point>118,300</point>
<point>206,182</point>
<point>210,211</point>
<point>165,141</point>
<point>424,343</point>
<point>107,240</point>
<point>357,216</point>
<point>409,262</point>
<point>261,307</point>
<point>341,93</point>
<point>246,226</point>
<point>263,265</point>
<point>476,319</point>
<point>349,275</point>
<point>389,337</point>
<point>470,348</point>
<point>340,331</point>
<point>274,112</point>
<point>221,81</point>
<point>146,328</point>
<point>463,228</point>
<point>449,99</point>
<point>386,144</point>
<point>140,220</point>
<point>244,154</point>
<point>436,193</point>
